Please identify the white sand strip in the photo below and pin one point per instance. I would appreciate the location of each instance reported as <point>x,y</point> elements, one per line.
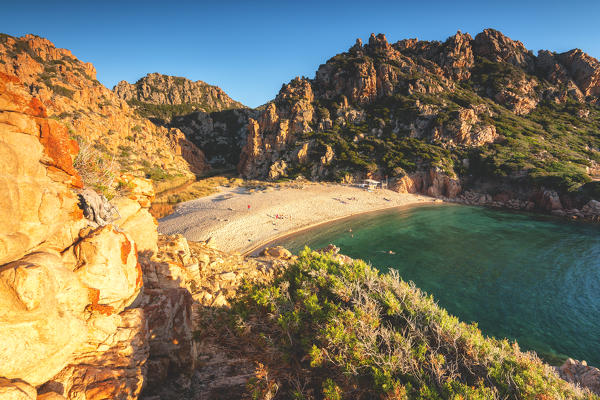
<point>274,212</point>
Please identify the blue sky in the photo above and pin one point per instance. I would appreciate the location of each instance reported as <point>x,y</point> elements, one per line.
<point>250,48</point>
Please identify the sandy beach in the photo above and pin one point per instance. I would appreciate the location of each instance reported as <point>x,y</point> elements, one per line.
<point>241,219</point>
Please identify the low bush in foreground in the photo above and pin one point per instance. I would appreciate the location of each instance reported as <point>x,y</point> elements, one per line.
<point>329,330</point>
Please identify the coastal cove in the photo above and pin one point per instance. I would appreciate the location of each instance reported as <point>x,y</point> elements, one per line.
<point>526,277</point>
<point>242,219</point>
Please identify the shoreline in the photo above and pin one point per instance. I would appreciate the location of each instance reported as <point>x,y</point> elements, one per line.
<point>258,247</point>
<point>244,220</point>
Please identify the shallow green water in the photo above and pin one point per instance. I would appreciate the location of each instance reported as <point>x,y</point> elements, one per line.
<point>531,278</point>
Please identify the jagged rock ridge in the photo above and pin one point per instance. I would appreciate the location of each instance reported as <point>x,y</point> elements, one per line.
<point>445,116</point>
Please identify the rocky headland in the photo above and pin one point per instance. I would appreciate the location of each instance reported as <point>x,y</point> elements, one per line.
<point>95,304</point>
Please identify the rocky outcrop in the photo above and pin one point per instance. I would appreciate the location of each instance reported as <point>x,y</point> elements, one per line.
<point>43,317</point>
<point>100,120</point>
<point>584,70</point>
<point>466,128</point>
<point>433,183</point>
<point>61,280</point>
<point>578,372</point>
<point>496,47</point>
<point>290,115</point>
<point>37,205</point>
<point>75,320</point>
<point>456,57</point>
<point>532,199</point>
<point>112,362</point>
<point>137,219</point>
<point>161,89</point>
<point>202,280</point>
<point>375,70</point>
<point>519,96</point>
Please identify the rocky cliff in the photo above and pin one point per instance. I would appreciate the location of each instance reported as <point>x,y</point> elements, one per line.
<point>438,118</point>
<point>93,303</point>
<point>65,281</point>
<point>113,138</point>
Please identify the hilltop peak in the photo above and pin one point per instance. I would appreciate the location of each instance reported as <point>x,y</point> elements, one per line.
<point>160,89</point>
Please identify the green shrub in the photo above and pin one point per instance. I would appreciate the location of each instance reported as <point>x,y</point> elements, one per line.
<point>351,332</point>
<point>136,129</point>
<point>62,91</point>
<point>156,173</point>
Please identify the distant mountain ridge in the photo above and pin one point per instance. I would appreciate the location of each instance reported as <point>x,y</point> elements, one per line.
<point>205,113</point>
<point>163,96</point>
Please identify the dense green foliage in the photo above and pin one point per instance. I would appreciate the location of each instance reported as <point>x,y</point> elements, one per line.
<point>163,113</point>
<point>326,329</point>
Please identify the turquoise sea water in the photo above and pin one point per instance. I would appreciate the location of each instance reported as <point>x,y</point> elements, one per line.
<point>527,277</point>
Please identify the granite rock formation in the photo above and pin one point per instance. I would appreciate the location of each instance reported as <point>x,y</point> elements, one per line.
<point>161,89</point>
<point>204,113</point>
<point>578,372</point>
<point>93,304</point>
<point>438,118</point>
<point>101,122</point>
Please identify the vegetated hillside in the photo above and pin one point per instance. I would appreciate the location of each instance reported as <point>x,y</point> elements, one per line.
<point>330,327</point>
<point>481,114</point>
<point>112,138</point>
<point>205,113</point>
<point>96,305</point>
<point>162,96</point>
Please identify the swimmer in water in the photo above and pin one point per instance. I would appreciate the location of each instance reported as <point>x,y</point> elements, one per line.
<point>386,251</point>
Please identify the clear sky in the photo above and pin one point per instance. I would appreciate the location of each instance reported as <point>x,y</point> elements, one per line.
<point>249,48</point>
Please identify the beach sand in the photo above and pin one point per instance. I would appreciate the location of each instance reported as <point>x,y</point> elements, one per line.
<point>241,219</point>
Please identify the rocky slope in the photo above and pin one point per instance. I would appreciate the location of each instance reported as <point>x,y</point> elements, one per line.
<point>207,115</point>
<point>113,138</point>
<point>221,135</point>
<point>93,304</point>
<point>481,114</point>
